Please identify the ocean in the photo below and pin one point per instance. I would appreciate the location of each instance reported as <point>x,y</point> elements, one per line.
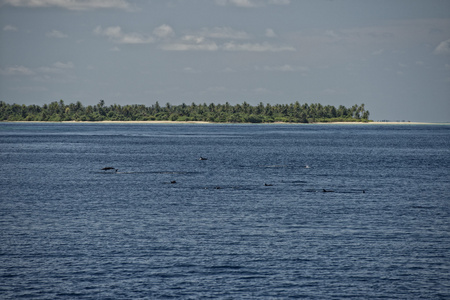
<point>274,211</point>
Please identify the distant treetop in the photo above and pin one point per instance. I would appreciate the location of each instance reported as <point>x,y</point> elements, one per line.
<point>216,113</point>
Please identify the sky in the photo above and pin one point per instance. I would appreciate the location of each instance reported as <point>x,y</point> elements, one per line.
<point>391,55</point>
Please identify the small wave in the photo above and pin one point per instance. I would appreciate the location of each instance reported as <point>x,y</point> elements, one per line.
<point>274,166</point>
<point>176,172</point>
<point>220,187</point>
<point>106,173</point>
<point>222,267</point>
<point>149,172</point>
<point>335,191</point>
<point>352,191</point>
<point>295,181</point>
<point>422,207</point>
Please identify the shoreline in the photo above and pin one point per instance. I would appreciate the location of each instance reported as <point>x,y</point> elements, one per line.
<point>204,122</point>
<point>387,123</point>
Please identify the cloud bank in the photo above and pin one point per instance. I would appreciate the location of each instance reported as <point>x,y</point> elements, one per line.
<point>443,48</point>
<point>16,70</point>
<point>116,35</point>
<point>206,39</point>
<point>56,34</point>
<point>10,28</point>
<point>70,4</point>
<point>252,3</point>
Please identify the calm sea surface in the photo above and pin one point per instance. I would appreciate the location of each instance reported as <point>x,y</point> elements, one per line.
<point>252,221</point>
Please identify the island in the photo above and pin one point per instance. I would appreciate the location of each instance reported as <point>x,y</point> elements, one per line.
<point>212,113</point>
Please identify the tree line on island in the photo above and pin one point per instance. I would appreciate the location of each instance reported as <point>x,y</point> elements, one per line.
<point>217,113</point>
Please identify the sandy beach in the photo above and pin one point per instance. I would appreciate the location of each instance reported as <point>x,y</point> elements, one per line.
<point>204,122</point>
<point>387,123</point>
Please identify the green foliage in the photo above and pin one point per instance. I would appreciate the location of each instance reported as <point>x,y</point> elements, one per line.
<point>218,113</point>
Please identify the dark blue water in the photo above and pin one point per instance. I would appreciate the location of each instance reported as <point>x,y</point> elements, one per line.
<point>70,230</point>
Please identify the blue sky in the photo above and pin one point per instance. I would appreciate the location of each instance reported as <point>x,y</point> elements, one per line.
<point>391,55</point>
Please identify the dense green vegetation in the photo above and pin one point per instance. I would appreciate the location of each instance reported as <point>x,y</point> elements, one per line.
<point>222,113</point>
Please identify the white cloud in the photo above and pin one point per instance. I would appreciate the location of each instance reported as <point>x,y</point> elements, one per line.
<point>193,39</point>
<point>191,42</point>
<point>10,28</point>
<point>190,70</point>
<point>284,68</point>
<point>239,3</point>
<point>252,3</point>
<point>279,2</point>
<point>49,70</point>
<point>270,33</point>
<point>256,47</point>
<point>61,65</point>
<point>223,33</point>
<point>16,70</point>
<point>443,48</point>
<point>261,90</point>
<point>135,38</point>
<point>164,31</point>
<point>71,4</point>
<point>334,35</point>
<point>57,72</point>
<point>116,35</point>
<point>56,34</point>
<point>195,42</point>
<point>207,39</point>
<point>57,68</point>
<point>111,32</point>
<point>378,52</point>
<point>228,70</point>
